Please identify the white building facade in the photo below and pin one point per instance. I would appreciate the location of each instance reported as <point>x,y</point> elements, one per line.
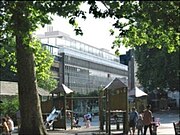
<point>82,67</point>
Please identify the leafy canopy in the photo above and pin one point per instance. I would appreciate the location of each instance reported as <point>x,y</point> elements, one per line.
<point>43,63</point>
<point>157,69</point>
<point>153,23</point>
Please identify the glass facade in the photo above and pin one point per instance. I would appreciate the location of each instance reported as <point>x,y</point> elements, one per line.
<point>74,44</point>
<point>86,68</point>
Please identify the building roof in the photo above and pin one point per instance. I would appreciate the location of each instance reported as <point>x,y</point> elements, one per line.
<point>115,84</point>
<point>11,88</point>
<point>136,92</point>
<point>61,89</point>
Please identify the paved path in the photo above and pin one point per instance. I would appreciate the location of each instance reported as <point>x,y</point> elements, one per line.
<point>165,128</point>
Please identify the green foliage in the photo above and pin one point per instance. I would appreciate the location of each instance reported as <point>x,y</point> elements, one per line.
<point>34,14</point>
<point>157,68</point>
<point>151,23</point>
<point>9,106</point>
<point>152,28</point>
<point>7,52</point>
<point>43,63</point>
<point>21,18</point>
<point>48,84</point>
<point>154,23</point>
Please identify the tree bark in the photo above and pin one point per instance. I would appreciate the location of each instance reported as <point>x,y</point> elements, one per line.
<point>31,115</point>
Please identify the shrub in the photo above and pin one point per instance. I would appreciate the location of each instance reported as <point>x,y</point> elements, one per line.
<point>9,107</point>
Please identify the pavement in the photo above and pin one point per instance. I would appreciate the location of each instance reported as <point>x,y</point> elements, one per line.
<point>166,126</point>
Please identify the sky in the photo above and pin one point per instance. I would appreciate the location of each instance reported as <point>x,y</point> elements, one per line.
<point>95,31</point>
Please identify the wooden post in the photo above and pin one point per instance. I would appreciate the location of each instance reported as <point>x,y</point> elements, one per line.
<point>72,111</point>
<point>109,113</point>
<point>126,113</point>
<point>65,110</point>
<point>101,124</point>
<point>106,111</point>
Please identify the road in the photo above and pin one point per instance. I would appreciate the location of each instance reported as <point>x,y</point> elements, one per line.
<point>166,125</point>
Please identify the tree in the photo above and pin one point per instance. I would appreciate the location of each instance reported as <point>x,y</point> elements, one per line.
<point>10,107</point>
<point>43,63</point>
<point>152,29</point>
<point>157,68</point>
<point>151,23</point>
<point>19,19</point>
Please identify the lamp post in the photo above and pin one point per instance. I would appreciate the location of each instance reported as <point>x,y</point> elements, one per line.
<point>131,79</point>
<point>61,68</point>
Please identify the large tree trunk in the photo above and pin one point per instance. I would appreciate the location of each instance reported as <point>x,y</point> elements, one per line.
<point>31,115</point>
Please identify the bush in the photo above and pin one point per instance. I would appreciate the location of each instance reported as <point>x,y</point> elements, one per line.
<point>9,107</point>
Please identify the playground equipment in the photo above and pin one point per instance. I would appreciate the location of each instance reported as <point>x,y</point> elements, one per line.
<point>60,104</point>
<point>139,99</point>
<point>113,106</point>
<point>116,112</point>
<point>59,100</point>
<point>52,117</point>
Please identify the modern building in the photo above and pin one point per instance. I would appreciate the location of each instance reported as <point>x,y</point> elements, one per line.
<point>82,67</point>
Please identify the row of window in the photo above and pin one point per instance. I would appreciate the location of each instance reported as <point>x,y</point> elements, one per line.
<point>76,45</point>
<point>95,66</point>
<point>82,75</point>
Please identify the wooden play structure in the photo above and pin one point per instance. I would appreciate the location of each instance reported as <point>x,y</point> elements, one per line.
<point>116,110</point>
<point>139,99</point>
<point>59,102</point>
<point>113,106</point>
